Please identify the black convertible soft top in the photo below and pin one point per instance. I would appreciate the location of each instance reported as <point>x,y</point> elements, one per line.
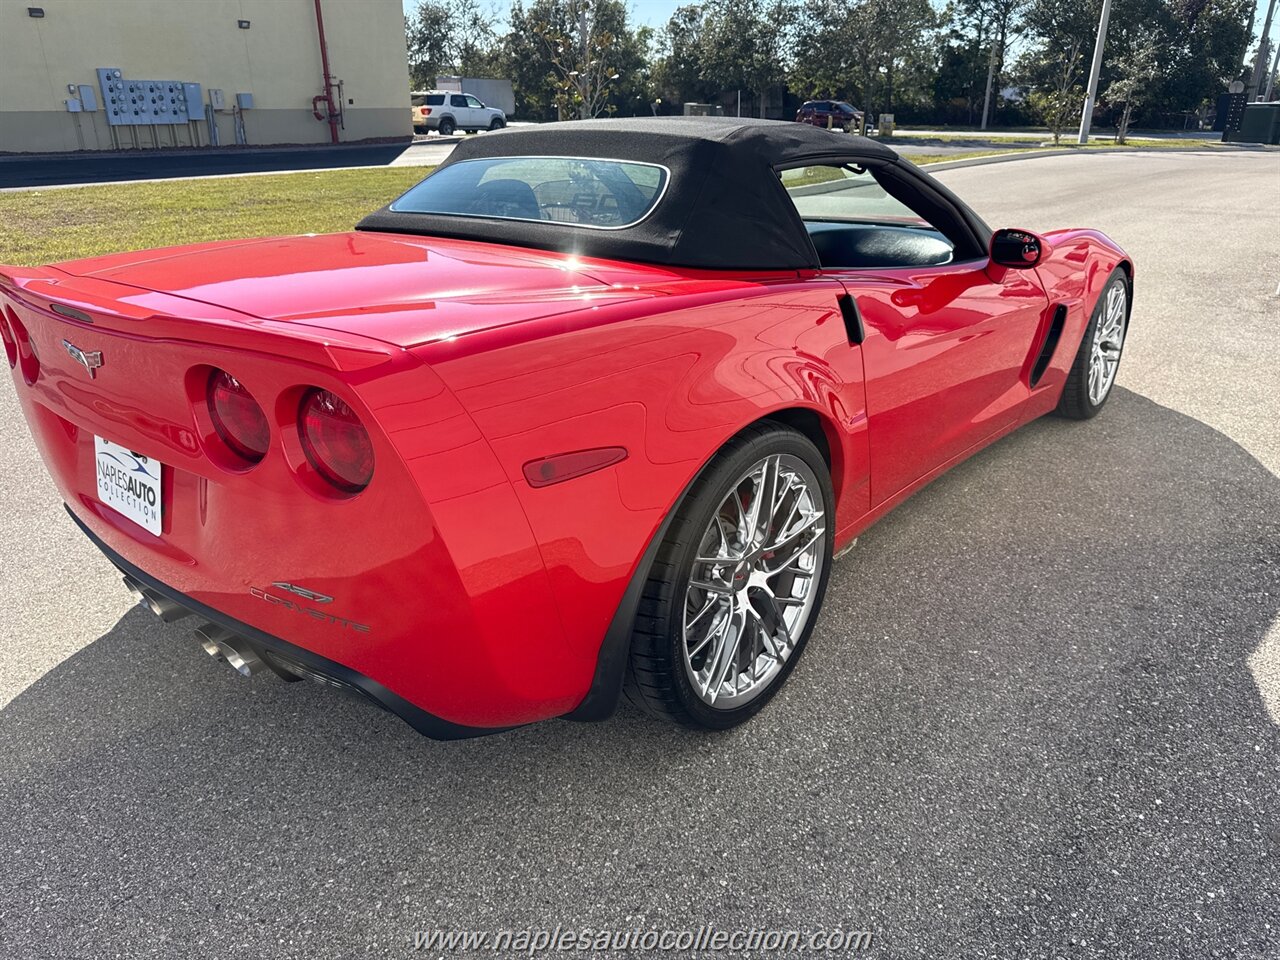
<point>724,207</point>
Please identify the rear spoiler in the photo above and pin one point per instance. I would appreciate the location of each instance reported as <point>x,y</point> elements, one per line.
<point>136,311</point>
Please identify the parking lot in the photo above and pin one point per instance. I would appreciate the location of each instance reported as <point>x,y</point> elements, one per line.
<point>18,172</point>
<point>1040,716</point>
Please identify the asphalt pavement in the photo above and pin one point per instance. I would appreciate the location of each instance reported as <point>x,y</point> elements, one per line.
<point>18,172</point>
<point>1040,716</point>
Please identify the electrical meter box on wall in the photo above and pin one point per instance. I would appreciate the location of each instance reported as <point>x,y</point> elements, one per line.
<point>195,102</point>
<point>141,102</point>
<point>216,99</point>
<point>244,101</point>
<point>88,97</point>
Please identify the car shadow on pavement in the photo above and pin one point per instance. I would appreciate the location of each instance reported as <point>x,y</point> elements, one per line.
<point>1026,725</point>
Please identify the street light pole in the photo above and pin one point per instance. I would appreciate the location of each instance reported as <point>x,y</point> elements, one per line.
<point>1271,77</point>
<point>1260,61</point>
<point>1086,115</point>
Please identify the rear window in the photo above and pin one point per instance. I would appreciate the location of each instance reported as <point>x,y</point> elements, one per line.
<point>599,194</point>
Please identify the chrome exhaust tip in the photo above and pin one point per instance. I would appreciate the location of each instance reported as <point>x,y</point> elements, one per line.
<point>162,607</point>
<point>224,645</point>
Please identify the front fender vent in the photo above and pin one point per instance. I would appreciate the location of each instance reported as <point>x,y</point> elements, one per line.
<point>1050,344</point>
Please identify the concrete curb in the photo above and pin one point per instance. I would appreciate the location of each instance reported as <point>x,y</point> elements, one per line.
<point>206,176</point>
<point>299,149</point>
<point>1036,154</point>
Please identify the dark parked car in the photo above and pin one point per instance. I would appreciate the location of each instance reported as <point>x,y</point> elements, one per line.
<point>834,114</point>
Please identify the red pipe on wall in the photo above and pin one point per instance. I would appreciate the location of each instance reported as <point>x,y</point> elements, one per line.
<point>328,78</point>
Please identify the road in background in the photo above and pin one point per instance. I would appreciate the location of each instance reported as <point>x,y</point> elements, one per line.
<point>37,172</point>
<point>1038,717</point>
<point>28,173</point>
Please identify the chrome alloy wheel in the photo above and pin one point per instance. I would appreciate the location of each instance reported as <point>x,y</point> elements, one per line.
<point>1108,342</point>
<point>753,583</point>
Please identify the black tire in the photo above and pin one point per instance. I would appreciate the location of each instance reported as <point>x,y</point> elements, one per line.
<point>496,123</point>
<point>656,678</point>
<point>447,127</point>
<point>1075,402</point>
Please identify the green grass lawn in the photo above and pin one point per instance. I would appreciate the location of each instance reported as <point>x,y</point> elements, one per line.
<point>1139,143</point>
<point>44,226</point>
<point>924,159</point>
<point>1102,141</point>
<point>810,175</point>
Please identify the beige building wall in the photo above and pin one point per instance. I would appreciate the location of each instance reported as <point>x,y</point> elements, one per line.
<point>277,59</point>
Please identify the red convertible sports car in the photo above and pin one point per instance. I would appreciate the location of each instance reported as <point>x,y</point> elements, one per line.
<point>588,411</point>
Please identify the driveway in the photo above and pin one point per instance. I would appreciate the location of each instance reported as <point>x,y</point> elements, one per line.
<point>1040,716</point>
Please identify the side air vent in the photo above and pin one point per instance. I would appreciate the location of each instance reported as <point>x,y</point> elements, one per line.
<point>852,318</point>
<point>1050,344</point>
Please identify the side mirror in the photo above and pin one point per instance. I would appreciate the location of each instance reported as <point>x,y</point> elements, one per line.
<point>1016,248</point>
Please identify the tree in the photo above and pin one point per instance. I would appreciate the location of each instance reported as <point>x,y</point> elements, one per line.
<point>547,43</point>
<point>960,66</point>
<point>1197,46</point>
<point>582,58</point>
<point>451,37</point>
<point>1063,100</point>
<point>1136,72</point>
<point>860,50</point>
<point>998,22</point>
<point>678,74</point>
<point>742,44</point>
<point>1062,30</point>
<point>1199,43</point>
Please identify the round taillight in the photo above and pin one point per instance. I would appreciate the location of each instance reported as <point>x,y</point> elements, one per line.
<point>6,334</point>
<point>237,418</point>
<point>335,441</point>
<point>25,350</point>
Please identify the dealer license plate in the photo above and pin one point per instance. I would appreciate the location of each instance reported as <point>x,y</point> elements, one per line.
<point>128,483</point>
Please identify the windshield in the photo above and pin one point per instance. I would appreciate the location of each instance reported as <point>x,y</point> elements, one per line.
<point>601,194</point>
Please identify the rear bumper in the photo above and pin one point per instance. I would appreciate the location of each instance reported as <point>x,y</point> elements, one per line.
<point>323,668</point>
<point>437,589</point>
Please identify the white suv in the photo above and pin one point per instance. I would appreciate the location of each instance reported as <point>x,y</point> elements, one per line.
<point>448,111</point>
